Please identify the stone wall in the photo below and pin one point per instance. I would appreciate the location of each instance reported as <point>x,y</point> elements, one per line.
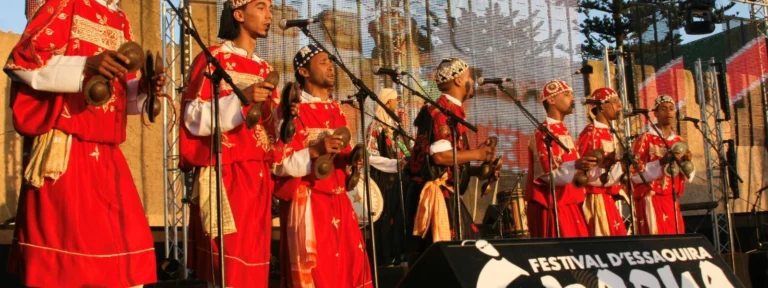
<point>11,141</point>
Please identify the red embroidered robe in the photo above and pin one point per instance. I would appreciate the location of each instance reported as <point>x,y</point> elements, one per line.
<point>246,161</point>
<point>603,217</point>
<point>654,205</point>
<point>569,198</point>
<point>333,239</point>
<point>88,227</point>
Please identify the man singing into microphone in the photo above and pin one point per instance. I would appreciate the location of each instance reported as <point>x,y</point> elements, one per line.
<point>320,240</point>
<point>603,218</point>
<point>557,99</point>
<point>433,161</point>
<point>655,204</point>
<point>247,191</point>
<point>384,150</point>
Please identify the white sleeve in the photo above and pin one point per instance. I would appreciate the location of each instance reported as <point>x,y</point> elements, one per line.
<point>440,146</point>
<point>593,176</point>
<point>297,165</point>
<point>652,172</point>
<point>383,164</point>
<point>563,175</point>
<point>693,174</point>
<point>136,101</point>
<point>613,175</point>
<point>63,74</point>
<point>198,119</point>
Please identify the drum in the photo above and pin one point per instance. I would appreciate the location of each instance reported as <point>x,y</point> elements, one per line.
<point>357,196</point>
<point>512,204</point>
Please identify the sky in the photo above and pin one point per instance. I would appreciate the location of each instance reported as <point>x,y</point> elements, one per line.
<point>12,18</point>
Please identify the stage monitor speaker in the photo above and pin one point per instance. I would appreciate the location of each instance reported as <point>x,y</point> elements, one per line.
<point>635,261</point>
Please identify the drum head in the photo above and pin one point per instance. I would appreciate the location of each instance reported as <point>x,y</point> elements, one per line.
<point>357,196</point>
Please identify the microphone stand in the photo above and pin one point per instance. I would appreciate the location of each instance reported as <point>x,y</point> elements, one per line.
<point>548,139</point>
<point>723,161</point>
<point>629,160</point>
<point>397,132</point>
<point>757,217</point>
<point>216,77</point>
<point>453,122</point>
<point>361,95</point>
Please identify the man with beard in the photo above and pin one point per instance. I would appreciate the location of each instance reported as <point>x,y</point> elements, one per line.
<point>247,191</point>
<point>655,205</point>
<point>431,195</point>
<point>603,218</point>
<point>557,99</point>
<point>80,221</point>
<point>320,240</point>
<point>384,150</point>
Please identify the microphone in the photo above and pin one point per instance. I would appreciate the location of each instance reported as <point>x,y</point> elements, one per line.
<point>483,81</point>
<point>692,120</point>
<point>586,101</point>
<point>638,111</point>
<point>388,71</point>
<point>285,23</point>
<point>348,102</point>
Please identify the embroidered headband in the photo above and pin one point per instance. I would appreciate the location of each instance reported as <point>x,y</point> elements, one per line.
<point>663,99</point>
<point>240,3</point>
<point>304,55</point>
<point>553,88</point>
<point>600,94</point>
<point>447,73</point>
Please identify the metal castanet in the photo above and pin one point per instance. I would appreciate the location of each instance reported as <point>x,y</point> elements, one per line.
<point>254,113</point>
<point>152,68</point>
<point>289,96</point>
<point>686,166</point>
<point>580,179</point>
<point>98,89</point>
<point>324,164</point>
<point>485,170</point>
<point>354,177</point>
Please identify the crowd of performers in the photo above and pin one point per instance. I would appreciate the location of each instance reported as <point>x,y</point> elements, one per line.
<point>80,221</point>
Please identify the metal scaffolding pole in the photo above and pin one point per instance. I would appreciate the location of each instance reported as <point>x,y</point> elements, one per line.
<point>176,57</point>
<point>709,110</point>
<point>725,222</point>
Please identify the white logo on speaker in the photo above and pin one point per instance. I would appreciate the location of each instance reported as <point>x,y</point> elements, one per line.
<point>498,272</point>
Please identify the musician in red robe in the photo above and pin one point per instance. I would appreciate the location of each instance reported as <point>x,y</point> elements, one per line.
<point>80,221</point>
<point>433,161</point>
<point>557,99</point>
<point>603,217</point>
<point>320,240</point>
<point>655,206</point>
<point>246,153</point>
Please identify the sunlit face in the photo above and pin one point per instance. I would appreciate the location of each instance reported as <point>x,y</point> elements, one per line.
<point>393,103</point>
<point>467,83</point>
<point>255,18</point>
<point>665,113</point>
<point>611,109</point>
<point>562,102</point>
<point>319,71</point>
